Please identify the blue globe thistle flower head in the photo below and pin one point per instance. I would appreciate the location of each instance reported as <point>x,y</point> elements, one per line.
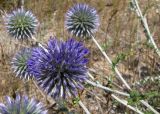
<point>22,105</point>
<point>60,69</point>
<point>21,24</point>
<point>82,20</point>
<point>19,63</point>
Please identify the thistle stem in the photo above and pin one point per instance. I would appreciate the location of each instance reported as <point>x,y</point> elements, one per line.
<point>126,104</point>
<point>106,88</point>
<point>148,35</point>
<point>39,44</point>
<point>84,107</point>
<point>148,106</point>
<point>145,25</point>
<point>117,71</point>
<point>115,97</point>
<point>110,62</point>
<point>22,3</point>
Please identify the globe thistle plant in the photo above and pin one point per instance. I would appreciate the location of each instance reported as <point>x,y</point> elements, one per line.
<point>60,69</point>
<point>21,24</point>
<point>22,105</point>
<point>19,63</point>
<point>82,20</point>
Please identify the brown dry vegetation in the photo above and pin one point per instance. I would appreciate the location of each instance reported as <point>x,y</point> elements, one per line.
<point>120,32</point>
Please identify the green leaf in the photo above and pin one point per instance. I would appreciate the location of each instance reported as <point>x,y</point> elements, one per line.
<point>75,100</point>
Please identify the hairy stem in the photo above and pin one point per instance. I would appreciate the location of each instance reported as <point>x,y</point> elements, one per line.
<point>110,62</point>
<point>145,25</point>
<point>106,88</point>
<point>126,104</point>
<point>84,107</point>
<point>148,106</point>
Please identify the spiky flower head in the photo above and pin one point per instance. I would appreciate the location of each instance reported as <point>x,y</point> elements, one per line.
<point>21,24</point>
<point>60,69</point>
<point>19,63</point>
<point>22,105</point>
<point>82,20</point>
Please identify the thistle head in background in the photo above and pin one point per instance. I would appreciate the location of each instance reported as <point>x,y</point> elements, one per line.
<point>21,24</point>
<point>60,69</point>
<point>22,105</point>
<point>82,20</point>
<point>19,63</point>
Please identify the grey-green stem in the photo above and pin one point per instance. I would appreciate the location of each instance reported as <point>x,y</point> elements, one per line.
<point>145,25</point>
<point>110,62</point>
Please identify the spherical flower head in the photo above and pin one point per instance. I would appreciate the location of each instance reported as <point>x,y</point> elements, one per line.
<point>60,69</point>
<point>21,24</point>
<point>19,63</point>
<point>82,20</point>
<point>22,105</point>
